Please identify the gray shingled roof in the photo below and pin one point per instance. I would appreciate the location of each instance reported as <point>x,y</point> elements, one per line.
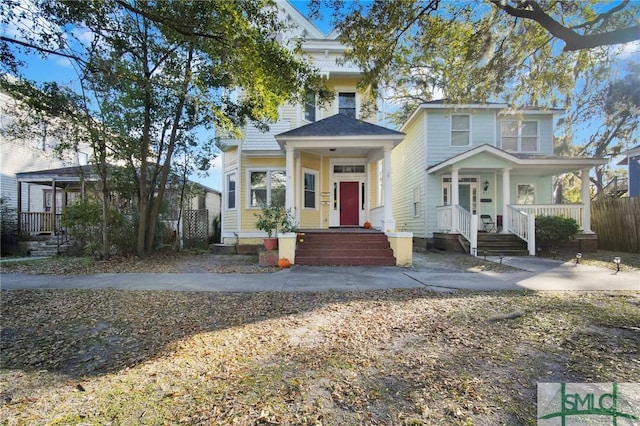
<point>62,171</point>
<point>340,125</point>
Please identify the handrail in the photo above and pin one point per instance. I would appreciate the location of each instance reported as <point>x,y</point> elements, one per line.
<point>445,222</point>
<point>376,215</point>
<point>468,227</point>
<point>523,225</point>
<point>573,211</point>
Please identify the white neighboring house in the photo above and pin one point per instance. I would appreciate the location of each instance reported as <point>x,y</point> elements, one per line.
<point>31,155</point>
<point>32,172</point>
<point>482,167</point>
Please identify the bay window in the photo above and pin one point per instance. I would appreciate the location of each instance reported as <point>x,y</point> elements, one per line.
<point>267,187</point>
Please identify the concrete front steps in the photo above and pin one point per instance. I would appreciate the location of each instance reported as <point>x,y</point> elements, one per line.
<point>45,247</point>
<point>344,248</point>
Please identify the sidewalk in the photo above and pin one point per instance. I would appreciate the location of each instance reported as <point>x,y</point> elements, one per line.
<point>538,274</point>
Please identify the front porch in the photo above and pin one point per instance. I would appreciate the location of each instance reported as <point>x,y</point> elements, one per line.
<point>490,190</point>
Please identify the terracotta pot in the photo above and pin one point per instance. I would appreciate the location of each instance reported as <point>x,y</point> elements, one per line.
<point>270,243</point>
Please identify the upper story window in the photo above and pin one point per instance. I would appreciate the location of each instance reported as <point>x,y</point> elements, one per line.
<point>519,136</point>
<point>460,129</point>
<point>310,107</point>
<point>347,104</point>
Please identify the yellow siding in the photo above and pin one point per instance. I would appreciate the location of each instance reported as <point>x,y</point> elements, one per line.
<point>345,84</point>
<point>247,217</point>
<point>230,220</point>
<point>309,218</point>
<point>326,188</point>
<point>373,186</point>
<point>231,158</point>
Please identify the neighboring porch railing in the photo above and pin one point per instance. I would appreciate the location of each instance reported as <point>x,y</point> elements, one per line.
<point>523,225</point>
<point>444,218</point>
<point>574,211</point>
<point>468,227</point>
<point>40,223</point>
<point>376,216</point>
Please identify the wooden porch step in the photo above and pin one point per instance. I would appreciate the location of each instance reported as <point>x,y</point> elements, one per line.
<point>501,244</point>
<point>344,248</point>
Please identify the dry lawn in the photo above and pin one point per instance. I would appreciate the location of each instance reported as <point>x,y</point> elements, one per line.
<point>378,358</point>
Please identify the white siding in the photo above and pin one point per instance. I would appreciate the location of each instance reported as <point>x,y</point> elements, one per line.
<point>408,175</point>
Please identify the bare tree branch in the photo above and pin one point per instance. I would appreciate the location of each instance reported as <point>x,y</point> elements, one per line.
<point>41,49</point>
<point>573,40</point>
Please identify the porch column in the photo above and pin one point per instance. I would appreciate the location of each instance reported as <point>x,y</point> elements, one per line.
<point>586,202</point>
<point>455,199</point>
<point>388,223</point>
<point>53,206</point>
<point>290,190</point>
<point>506,200</point>
<point>19,208</point>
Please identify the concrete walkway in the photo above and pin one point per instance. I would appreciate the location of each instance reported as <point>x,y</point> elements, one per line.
<point>537,274</point>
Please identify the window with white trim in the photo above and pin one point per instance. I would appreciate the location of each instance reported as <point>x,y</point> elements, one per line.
<point>310,107</point>
<point>267,187</point>
<point>231,190</point>
<point>310,190</point>
<point>519,136</point>
<point>347,104</point>
<point>525,193</point>
<point>460,129</point>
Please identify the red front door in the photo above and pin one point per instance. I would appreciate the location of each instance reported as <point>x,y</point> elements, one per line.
<point>349,204</point>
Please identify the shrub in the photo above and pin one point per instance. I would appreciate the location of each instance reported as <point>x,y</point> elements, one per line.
<point>8,226</point>
<point>550,230</point>
<point>84,221</point>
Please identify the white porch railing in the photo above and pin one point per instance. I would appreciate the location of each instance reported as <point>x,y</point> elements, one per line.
<point>445,222</point>
<point>523,225</point>
<point>468,227</point>
<point>376,216</point>
<point>574,211</point>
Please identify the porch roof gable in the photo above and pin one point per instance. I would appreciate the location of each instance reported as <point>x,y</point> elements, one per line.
<point>339,125</point>
<point>525,163</point>
<point>340,131</point>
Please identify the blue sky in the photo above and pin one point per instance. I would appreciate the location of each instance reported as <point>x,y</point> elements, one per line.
<point>59,69</point>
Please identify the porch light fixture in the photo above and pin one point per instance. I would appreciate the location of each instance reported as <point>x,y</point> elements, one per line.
<point>617,261</point>
<point>486,186</point>
<point>578,257</point>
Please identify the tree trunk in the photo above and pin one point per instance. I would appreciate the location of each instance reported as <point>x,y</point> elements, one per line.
<point>166,167</point>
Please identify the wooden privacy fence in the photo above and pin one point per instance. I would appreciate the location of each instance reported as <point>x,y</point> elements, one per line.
<point>617,223</point>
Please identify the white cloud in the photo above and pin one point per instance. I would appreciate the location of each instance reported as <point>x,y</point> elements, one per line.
<point>63,62</point>
<point>628,50</point>
<point>83,35</point>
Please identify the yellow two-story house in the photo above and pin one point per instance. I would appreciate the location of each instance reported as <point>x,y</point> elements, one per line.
<point>329,165</point>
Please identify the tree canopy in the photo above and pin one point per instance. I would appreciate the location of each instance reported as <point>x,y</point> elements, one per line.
<point>524,52</point>
<point>154,74</point>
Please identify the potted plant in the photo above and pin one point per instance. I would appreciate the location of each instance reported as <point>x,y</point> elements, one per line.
<point>270,219</point>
